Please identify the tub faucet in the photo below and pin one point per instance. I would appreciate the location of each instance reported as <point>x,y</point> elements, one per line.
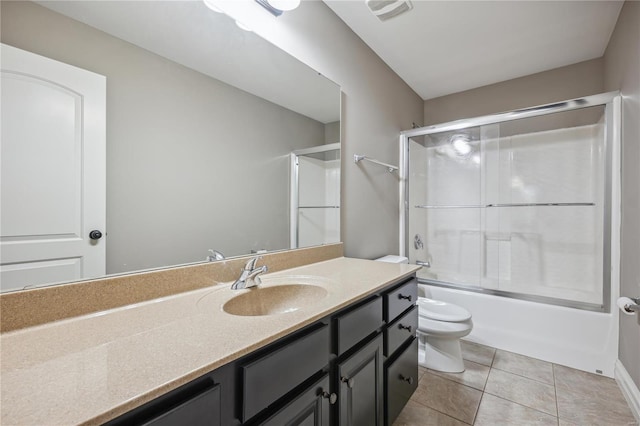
<point>249,276</point>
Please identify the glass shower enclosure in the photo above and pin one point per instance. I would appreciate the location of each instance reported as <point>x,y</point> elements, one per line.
<point>315,196</point>
<point>516,204</point>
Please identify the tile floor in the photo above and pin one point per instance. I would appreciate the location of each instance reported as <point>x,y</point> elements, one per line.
<point>504,388</point>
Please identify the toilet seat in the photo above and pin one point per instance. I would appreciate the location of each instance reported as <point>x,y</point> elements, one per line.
<point>441,311</point>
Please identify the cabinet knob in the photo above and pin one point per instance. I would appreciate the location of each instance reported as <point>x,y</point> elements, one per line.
<point>404,327</point>
<point>402,296</point>
<point>406,379</point>
<point>332,397</point>
<point>95,234</point>
<point>350,382</point>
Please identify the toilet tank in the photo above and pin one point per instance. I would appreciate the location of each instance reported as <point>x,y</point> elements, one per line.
<point>390,258</point>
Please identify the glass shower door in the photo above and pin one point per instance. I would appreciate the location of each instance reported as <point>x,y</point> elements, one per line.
<point>445,205</point>
<point>515,208</point>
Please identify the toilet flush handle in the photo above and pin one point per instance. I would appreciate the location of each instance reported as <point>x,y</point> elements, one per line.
<point>424,263</point>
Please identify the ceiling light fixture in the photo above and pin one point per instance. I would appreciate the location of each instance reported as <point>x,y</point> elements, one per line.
<point>284,5</point>
<point>277,7</point>
<point>387,9</point>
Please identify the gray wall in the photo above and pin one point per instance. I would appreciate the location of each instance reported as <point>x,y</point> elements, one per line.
<point>179,153</point>
<point>332,132</point>
<point>572,81</point>
<point>376,106</point>
<point>622,71</point>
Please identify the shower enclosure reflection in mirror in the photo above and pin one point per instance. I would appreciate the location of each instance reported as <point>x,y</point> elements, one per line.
<point>521,205</point>
<point>315,196</point>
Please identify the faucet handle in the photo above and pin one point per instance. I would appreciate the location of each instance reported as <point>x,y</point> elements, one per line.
<point>251,263</point>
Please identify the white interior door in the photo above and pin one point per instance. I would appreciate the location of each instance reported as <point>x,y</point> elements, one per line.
<point>52,171</point>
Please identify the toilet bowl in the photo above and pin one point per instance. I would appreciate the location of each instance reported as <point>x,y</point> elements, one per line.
<point>440,327</point>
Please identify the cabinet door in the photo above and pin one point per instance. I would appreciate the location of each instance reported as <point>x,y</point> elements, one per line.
<point>360,390</point>
<point>311,408</point>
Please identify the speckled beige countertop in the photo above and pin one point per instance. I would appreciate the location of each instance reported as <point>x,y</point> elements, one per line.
<point>92,368</point>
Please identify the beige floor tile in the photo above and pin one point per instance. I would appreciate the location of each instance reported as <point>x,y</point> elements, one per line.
<point>453,399</point>
<point>583,409</point>
<point>587,398</point>
<point>528,392</point>
<point>477,353</point>
<point>474,375</point>
<point>415,414</point>
<point>588,383</point>
<point>521,365</point>
<point>497,411</point>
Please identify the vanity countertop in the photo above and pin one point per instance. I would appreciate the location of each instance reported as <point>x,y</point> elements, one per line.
<point>92,368</point>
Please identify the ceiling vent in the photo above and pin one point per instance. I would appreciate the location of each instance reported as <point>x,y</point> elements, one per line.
<point>387,9</point>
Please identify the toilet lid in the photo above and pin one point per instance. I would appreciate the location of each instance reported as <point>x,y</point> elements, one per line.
<point>441,311</point>
<point>444,328</point>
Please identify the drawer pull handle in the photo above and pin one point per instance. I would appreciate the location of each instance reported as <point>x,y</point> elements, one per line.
<point>332,397</point>
<point>402,296</point>
<point>406,379</point>
<point>404,327</point>
<point>350,382</point>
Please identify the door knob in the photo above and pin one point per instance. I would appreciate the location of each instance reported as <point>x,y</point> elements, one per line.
<point>95,234</point>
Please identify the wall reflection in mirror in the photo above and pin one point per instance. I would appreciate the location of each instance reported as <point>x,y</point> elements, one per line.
<point>201,121</point>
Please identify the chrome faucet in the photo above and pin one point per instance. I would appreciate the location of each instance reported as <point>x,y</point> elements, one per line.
<point>250,275</point>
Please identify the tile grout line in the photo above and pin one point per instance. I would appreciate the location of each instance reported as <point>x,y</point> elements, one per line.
<point>555,390</point>
<point>475,416</point>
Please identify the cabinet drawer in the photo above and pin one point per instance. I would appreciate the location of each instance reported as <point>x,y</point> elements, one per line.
<point>203,409</point>
<point>271,376</point>
<point>399,300</point>
<point>402,381</point>
<point>357,324</point>
<point>400,331</point>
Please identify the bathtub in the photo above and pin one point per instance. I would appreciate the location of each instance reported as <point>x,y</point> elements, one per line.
<point>584,340</point>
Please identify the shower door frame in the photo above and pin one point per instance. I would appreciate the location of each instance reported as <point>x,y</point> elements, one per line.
<point>612,103</point>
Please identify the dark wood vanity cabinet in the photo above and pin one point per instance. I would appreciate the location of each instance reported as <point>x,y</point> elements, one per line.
<point>356,367</point>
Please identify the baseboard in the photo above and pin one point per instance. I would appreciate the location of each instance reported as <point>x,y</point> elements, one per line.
<point>629,389</point>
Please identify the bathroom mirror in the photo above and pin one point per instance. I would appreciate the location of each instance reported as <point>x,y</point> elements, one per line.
<point>201,120</point>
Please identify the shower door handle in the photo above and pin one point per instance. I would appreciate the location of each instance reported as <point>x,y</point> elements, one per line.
<point>426,264</point>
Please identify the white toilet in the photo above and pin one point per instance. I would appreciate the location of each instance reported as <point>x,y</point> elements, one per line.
<point>440,327</point>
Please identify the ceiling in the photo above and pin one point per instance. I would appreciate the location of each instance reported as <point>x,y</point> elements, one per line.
<point>444,47</point>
